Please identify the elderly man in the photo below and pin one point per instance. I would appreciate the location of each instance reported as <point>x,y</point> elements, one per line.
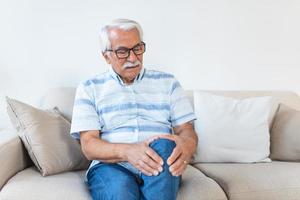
<point>134,123</point>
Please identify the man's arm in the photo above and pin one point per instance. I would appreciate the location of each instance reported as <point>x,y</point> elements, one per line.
<point>139,155</point>
<point>96,149</point>
<point>186,141</point>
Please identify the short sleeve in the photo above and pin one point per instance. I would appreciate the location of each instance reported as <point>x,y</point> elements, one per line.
<point>181,108</point>
<point>85,116</point>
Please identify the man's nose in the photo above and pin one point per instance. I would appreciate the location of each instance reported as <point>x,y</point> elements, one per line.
<point>132,57</point>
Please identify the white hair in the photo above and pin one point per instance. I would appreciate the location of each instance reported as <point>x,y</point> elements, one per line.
<point>123,24</point>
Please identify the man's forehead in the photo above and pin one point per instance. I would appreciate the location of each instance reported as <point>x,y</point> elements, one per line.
<point>125,38</point>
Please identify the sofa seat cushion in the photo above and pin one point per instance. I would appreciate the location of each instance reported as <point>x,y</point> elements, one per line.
<point>259,181</point>
<point>196,186</point>
<point>30,185</point>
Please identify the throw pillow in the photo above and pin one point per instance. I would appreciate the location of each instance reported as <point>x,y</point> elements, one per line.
<point>45,134</point>
<point>285,135</point>
<point>232,130</point>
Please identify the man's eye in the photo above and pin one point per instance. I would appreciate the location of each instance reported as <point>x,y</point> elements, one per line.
<point>138,48</point>
<point>122,51</point>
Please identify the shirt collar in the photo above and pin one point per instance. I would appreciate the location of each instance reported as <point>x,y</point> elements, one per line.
<point>117,77</point>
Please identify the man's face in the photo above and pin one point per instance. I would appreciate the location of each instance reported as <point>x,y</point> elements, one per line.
<point>121,39</point>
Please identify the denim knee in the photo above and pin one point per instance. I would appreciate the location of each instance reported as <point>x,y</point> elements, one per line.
<point>164,147</point>
<point>165,181</point>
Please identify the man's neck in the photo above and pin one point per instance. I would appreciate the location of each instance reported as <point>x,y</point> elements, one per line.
<point>127,81</point>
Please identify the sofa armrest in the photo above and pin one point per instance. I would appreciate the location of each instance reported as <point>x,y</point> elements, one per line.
<point>13,155</point>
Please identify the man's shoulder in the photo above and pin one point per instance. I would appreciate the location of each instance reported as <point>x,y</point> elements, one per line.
<point>97,79</point>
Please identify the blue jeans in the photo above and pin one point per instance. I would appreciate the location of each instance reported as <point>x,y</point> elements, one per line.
<point>113,181</point>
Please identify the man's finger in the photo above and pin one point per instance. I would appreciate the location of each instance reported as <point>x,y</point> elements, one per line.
<point>151,163</point>
<point>177,164</point>
<point>167,136</point>
<point>152,154</point>
<point>137,165</point>
<point>180,170</point>
<point>145,168</point>
<point>151,139</point>
<point>175,154</point>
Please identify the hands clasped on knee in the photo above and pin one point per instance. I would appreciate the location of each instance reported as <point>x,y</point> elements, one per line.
<point>147,160</point>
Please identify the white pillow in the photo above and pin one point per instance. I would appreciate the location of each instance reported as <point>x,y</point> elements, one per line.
<point>232,130</point>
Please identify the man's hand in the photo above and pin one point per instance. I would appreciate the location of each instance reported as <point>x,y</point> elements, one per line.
<point>182,153</point>
<point>144,158</point>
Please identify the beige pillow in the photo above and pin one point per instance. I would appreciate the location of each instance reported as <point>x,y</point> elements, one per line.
<point>285,135</point>
<point>45,134</point>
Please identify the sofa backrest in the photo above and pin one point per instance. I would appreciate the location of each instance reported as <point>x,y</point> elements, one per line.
<point>63,98</point>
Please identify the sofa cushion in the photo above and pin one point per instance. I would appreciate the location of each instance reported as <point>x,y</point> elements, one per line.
<point>45,135</point>
<point>232,130</point>
<point>196,186</point>
<point>287,97</point>
<point>285,137</point>
<point>260,181</point>
<point>30,185</point>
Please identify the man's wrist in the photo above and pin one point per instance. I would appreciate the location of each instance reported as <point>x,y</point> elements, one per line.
<point>122,151</point>
<point>192,141</point>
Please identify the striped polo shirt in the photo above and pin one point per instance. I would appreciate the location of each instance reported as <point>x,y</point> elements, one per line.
<point>153,104</point>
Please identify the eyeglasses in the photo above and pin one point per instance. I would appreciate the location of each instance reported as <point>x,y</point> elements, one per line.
<point>123,52</point>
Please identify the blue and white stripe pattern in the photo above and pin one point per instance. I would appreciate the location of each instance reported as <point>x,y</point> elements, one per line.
<point>152,105</point>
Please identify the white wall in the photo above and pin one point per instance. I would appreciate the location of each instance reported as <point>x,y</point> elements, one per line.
<point>212,44</point>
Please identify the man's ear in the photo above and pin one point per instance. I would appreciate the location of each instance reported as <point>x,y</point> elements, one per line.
<point>106,57</point>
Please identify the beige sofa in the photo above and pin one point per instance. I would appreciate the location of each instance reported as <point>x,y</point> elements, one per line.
<point>20,180</point>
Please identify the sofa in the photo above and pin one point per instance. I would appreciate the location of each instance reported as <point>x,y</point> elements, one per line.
<point>276,180</point>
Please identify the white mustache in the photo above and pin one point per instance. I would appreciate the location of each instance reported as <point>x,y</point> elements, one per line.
<point>130,64</point>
